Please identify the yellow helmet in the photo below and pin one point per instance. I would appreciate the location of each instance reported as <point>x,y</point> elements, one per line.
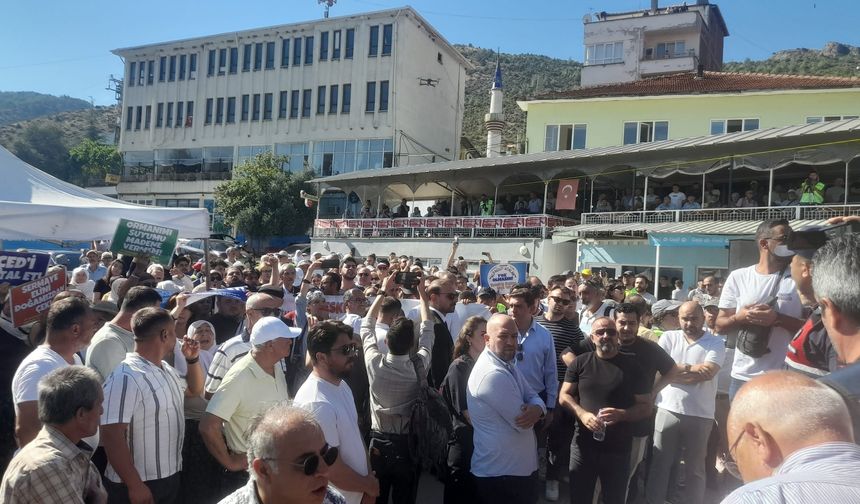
<point>586,272</point>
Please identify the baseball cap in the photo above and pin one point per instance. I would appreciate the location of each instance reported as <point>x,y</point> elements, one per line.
<point>272,328</point>
<point>664,306</point>
<point>105,307</point>
<point>487,292</point>
<point>711,303</point>
<point>805,242</point>
<point>627,273</point>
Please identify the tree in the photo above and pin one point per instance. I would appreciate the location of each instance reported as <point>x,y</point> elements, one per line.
<point>42,146</point>
<point>96,159</point>
<point>263,200</point>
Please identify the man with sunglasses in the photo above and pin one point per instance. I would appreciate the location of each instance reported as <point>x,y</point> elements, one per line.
<point>286,462</point>
<point>326,395</point>
<point>763,300</point>
<point>249,388</point>
<point>608,392</point>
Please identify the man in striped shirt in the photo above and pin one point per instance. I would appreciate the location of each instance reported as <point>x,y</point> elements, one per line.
<point>793,442</point>
<point>143,423</point>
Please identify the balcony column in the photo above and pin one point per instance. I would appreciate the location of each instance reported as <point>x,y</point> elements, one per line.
<point>451,213</point>
<point>591,196</point>
<point>770,189</point>
<point>545,189</point>
<point>845,202</point>
<point>702,201</point>
<point>644,197</point>
<point>318,202</point>
<point>656,278</point>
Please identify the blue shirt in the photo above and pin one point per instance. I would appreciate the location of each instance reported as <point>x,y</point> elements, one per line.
<point>98,274</point>
<point>538,364</point>
<point>825,473</point>
<point>495,394</point>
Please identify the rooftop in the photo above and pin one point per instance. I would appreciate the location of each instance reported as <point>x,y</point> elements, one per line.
<point>699,7</point>
<point>688,83</point>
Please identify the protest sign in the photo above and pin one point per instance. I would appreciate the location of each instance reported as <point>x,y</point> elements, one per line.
<point>17,268</point>
<point>335,308</point>
<point>31,299</point>
<point>502,276</point>
<point>237,293</point>
<point>142,239</point>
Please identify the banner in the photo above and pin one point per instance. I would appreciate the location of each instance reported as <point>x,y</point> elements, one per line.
<point>238,293</point>
<point>142,239</point>
<point>566,197</point>
<point>31,299</point>
<point>17,268</point>
<point>502,276</point>
<point>688,240</point>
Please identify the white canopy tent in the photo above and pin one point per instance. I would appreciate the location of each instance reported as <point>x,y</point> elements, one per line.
<point>37,206</point>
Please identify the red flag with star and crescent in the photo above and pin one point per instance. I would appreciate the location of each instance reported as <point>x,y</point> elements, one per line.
<point>566,197</point>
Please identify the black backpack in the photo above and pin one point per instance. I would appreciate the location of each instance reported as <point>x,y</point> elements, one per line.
<point>430,424</point>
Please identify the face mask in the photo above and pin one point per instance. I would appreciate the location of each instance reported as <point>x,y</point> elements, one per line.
<point>782,251</point>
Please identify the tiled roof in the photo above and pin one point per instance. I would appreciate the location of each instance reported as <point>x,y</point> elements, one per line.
<point>710,82</point>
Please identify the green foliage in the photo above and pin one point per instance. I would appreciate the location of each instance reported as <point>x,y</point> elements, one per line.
<point>42,146</point>
<point>23,105</point>
<point>95,159</point>
<point>263,200</point>
<point>838,60</point>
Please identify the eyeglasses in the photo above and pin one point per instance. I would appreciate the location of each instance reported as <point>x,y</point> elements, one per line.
<point>780,238</point>
<point>608,332</point>
<point>269,312</point>
<point>311,464</point>
<point>346,350</point>
<point>563,301</point>
<point>730,464</point>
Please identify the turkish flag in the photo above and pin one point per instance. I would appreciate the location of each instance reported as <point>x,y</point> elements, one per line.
<point>566,197</point>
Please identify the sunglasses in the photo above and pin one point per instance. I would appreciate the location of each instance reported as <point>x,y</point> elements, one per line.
<point>563,301</point>
<point>608,332</point>
<point>346,350</point>
<point>520,352</point>
<point>311,464</point>
<point>269,312</point>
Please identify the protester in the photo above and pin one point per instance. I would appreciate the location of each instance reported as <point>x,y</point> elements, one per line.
<point>179,280</point>
<point>593,305</point>
<point>503,410</point>
<point>355,305</point>
<point>665,316</point>
<point>55,467</point>
<point>95,269</point>
<point>14,348</point>
<point>679,293</point>
<point>707,291</point>
<point>230,309</point>
<point>442,300</point>
<point>80,281</point>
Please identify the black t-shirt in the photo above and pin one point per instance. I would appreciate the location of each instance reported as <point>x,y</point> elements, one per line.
<point>608,383</point>
<point>12,351</point>
<point>566,334</point>
<point>652,359</point>
<point>454,389</point>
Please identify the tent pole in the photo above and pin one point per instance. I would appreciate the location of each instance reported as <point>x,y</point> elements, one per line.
<point>770,189</point>
<point>702,201</point>
<point>845,199</point>
<point>657,269</point>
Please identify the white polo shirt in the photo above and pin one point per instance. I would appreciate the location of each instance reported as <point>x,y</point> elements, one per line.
<point>696,399</point>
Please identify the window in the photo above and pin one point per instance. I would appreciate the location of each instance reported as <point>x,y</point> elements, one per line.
<point>183,61</point>
<point>210,69</point>
<point>208,119</point>
<point>171,75</point>
<point>640,132</point>
<point>267,106</point>
<point>270,55</point>
<point>297,51</point>
<point>374,41</point>
<point>323,46</point>
<point>234,60</point>
<point>245,106</point>
<point>219,111</point>
<point>189,114</point>
<point>720,126</point>
<point>141,73</point>
<point>255,111</point>
<point>246,58</point>
<point>285,53</point>
<point>129,117</point>
<point>335,44</point>
<point>309,50</point>
<point>150,72</point>
<point>564,137</point>
<point>604,54</point>
<point>132,72</point>
<point>159,115</point>
<point>258,56</point>
<point>332,99</point>
<point>294,104</point>
<point>169,118</point>
<point>350,43</point>
<point>320,100</point>
<point>383,96</point>
<point>818,119</point>
<point>222,61</point>
<point>231,110</point>
<point>370,99</point>
<point>138,118</point>
<point>347,99</point>
<point>668,50</point>
<point>297,154</point>
<point>162,68</point>
<point>192,67</point>
<point>386,39</point>
<point>283,105</point>
<point>306,103</point>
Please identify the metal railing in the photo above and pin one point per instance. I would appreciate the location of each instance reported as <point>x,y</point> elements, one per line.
<point>530,226</point>
<point>802,212</point>
<point>161,176</point>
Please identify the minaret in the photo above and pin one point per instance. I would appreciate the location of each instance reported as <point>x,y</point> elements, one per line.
<point>495,120</point>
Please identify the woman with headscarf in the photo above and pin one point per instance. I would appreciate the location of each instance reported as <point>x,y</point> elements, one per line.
<point>81,281</point>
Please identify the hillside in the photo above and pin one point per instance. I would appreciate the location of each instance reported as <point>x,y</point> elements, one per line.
<point>18,106</point>
<point>834,59</point>
<point>74,126</point>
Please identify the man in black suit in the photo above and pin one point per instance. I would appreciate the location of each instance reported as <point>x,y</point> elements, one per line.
<point>443,298</point>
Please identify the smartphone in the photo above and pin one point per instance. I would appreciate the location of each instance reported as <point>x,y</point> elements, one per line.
<point>330,263</point>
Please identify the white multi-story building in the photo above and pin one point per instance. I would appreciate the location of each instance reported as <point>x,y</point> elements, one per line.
<point>336,95</point>
<point>628,46</point>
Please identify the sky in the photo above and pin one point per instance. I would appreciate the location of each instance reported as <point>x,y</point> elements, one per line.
<point>63,47</point>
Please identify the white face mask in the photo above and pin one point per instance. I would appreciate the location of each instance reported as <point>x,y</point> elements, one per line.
<point>782,250</point>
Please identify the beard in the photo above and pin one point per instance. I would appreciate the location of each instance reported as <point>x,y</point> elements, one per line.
<point>607,347</point>
<point>346,371</point>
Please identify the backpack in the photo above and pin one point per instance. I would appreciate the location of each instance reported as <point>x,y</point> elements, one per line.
<point>430,424</point>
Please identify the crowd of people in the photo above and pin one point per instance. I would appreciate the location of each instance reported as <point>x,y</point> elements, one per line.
<point>283,385</point>
<point>508,204</point>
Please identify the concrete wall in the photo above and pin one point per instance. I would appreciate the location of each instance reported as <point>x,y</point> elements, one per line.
<point>688,116</point>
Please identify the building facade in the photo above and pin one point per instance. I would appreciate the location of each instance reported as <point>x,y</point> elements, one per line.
<point>336,95</point>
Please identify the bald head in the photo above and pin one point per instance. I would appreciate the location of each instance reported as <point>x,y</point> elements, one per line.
<point>259,300</point>
<point>780,412</point>
<point>691,316</point>
<point>501,336</point>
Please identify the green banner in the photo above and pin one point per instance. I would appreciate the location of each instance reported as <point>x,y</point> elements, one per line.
<point>142,239</point>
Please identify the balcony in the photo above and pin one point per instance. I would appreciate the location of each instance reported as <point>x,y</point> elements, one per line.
<point>514,226</point>
<point>668,62</point>
<point>791,213</point>
<point>163,176</point>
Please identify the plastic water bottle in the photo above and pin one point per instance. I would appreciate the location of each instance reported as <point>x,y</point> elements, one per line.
<point>599,435</point>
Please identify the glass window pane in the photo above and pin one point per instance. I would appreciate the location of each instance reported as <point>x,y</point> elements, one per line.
<point>717,127</point>
<point>579,136</point>
<point>551,139</point>
<point>661,130</point>
<point>630,132</point>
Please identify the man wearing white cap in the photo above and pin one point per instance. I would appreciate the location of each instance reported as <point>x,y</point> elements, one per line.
<point>253,384</point>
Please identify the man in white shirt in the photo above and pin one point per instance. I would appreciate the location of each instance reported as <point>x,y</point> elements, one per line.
<point>676,198</point>
<point>390,311</point>
<point>69,326</point>
<point>762,297</point>
<point>593,305</point>
<point>679,293</point>
<point>333,352</point>
<point>355,305</point>
<point>685,408</point>
<point>641,284</point>
<point>179,280</point>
